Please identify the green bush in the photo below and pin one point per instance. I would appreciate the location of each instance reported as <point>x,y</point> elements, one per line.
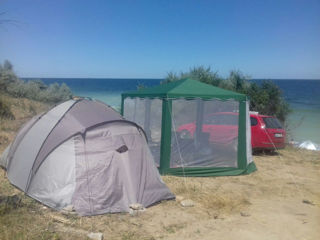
<point>7,76</point>
<point>265,98</point>
<point>34,89</point>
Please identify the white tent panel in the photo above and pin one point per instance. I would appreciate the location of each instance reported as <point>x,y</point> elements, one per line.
<point>22,162</point>
<point>54,183</point>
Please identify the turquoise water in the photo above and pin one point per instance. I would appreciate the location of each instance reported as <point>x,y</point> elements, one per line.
<point>304,125</point>
<point>106,90</point>
<point>303,96</point>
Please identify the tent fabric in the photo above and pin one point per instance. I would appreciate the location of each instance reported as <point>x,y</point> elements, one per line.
<point>21,133</point>
<point>70,156</point>
<point>132,171</point>
<point>81,116</point>
<point>21,164</point>
<point>54,183</point>
<point>201,130</point>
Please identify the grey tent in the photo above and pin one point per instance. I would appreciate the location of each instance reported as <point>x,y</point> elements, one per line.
<point>85,154</point>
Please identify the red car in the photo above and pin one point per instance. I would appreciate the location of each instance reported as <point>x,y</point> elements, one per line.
<point>266,131</point>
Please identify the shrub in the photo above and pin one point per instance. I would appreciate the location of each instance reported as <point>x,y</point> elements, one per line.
<point>7,75</point>
<point>265,98</point>
<point>34,89</point>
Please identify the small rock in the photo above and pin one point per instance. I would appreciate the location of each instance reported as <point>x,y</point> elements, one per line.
<point>68,208</point>
<point>307,202</point>
<point>187,203</point>
<point>244,214</point>
<point>60,219</point>
<point>136,212</point>
<point>179,198</point>
<point>133,212</point>
<point>95,236</point>
<point>136,206</point>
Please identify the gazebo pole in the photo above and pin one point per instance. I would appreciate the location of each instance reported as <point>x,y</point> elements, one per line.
<point>147,118</point>
<point>165,148</point>
<point>242,142</point>
<point>122,106</point>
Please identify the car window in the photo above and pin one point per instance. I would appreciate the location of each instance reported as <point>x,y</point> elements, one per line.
<point>272,122</point>
<point>222,119</point>
<point>253,121</point>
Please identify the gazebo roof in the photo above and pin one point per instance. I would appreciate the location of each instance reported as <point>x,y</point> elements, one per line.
<point>185,88</point>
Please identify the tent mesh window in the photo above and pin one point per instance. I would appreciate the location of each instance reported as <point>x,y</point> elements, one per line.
<point>147,113</point>
<point>204,133</point>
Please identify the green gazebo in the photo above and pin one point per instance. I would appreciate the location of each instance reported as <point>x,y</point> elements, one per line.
<point>194,129</point>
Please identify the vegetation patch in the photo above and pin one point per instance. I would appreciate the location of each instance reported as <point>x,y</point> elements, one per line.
<point>32,89</point>
<point>5,111</point>
<point>173,228</point>
<point>265,98</point>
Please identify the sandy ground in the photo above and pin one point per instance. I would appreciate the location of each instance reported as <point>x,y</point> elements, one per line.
<point>279,201</point>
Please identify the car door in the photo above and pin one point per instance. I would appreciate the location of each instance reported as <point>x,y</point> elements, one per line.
<point>255,128</point>
<point>223,128</point>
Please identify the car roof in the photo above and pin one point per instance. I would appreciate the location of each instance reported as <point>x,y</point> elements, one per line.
<point>236,113</point>
<point>260,115</point>
<point>223,113</point>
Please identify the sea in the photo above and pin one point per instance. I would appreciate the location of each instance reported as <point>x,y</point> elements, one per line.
<point>303,96</point>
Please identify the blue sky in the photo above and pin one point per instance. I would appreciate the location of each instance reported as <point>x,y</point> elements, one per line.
<point>147,39</point>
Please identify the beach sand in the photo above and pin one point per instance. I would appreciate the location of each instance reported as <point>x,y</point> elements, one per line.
<point>279,201</point>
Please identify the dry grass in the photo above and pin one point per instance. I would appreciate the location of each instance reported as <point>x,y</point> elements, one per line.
<point>211,197</point>
<point>23,109</point>
<point>279,201</point>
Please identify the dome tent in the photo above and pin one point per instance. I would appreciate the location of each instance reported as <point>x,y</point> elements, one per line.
<point>194,129</point>
<point>83,153</point>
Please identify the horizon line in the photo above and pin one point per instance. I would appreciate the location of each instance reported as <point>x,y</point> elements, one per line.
<point>144,78</point>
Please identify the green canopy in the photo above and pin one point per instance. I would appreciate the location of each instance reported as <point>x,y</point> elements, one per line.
<point>187,104</point>
<point>186,88</point>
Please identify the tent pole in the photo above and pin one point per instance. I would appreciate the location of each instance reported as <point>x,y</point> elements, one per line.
<point>122,106</point>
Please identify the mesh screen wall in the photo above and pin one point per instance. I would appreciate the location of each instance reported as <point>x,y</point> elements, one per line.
<point>204,133</point>
<point>194,129</point>
<point>147,113</point>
